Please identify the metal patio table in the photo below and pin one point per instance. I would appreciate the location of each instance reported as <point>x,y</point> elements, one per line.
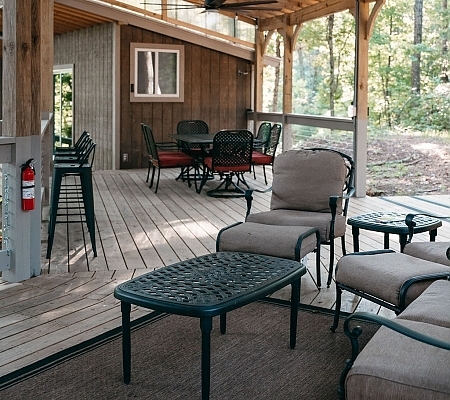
<point>205,287</point>
<point>392,222</point>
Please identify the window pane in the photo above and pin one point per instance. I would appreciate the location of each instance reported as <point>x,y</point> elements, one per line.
<point>167,73</point>
<point>146,72</point>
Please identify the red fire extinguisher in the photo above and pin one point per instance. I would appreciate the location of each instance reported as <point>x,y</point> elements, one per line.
<point>28,185</point>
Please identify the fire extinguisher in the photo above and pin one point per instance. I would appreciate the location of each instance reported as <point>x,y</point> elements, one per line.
<point>28,185</point>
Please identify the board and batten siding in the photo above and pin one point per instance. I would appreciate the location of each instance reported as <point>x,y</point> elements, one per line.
<point>90,51</point>
<point>213,92</point>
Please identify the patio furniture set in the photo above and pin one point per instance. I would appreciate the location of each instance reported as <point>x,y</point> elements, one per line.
<point>201,156</point>
<point>311,189</point>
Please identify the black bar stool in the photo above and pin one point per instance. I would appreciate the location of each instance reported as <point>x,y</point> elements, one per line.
<point>66,196</point>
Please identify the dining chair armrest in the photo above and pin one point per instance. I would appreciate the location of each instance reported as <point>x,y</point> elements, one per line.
<point>249,197</point>
<point>167,145</point>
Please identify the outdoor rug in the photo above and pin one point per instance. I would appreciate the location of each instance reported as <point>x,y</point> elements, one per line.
<point>252,360</point>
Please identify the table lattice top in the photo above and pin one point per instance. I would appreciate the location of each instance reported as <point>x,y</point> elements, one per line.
<point>202,285</point>
<point>393,221</point>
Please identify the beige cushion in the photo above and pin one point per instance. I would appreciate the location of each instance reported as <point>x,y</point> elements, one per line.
<point>393,366</point>
<point>271,240</point>
<point>382,275</point>
<point>301,218</point>
<point>432,251</point>
<point>432,306</point>
<point>305,180</point>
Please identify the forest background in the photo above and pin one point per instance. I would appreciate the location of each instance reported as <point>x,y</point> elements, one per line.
<point>409,92</point>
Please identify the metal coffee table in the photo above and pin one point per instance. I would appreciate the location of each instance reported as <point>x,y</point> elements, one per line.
<point>205,287</point>
<point>392,222</point>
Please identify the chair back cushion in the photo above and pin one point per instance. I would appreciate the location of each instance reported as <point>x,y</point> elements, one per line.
<point>305,180</point>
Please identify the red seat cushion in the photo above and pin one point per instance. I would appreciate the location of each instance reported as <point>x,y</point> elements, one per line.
<point>169,159</point>
<point>259,158</point>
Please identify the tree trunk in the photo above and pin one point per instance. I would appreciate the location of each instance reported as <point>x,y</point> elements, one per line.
<point>276,91</point>
<point>330,26</point>
<point>415,67</point>
<point>444,66</point>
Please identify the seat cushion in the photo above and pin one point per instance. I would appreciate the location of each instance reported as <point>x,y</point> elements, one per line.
<point>301,218</point>
<point>382,275</point>
<point>169,159</point>
<point>270,240</point>
<point>432,306</point>
<point>432,251</point>
<point>393,366</point>
<point>305,180</point>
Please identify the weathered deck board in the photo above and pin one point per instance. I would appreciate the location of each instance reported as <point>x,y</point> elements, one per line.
<point>138,231</point>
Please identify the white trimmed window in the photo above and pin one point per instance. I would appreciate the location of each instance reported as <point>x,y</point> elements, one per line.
<point>157,72</point>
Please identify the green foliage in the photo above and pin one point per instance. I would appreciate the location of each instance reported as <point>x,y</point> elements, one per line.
<point>392,100</point>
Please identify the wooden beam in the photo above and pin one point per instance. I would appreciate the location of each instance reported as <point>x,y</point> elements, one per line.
<point>373,16</point>
<point>361,97</point>
<point>320,10</point>
<point>288,38</point>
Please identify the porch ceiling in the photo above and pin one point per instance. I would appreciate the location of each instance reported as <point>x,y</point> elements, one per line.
<point>67,19</point>
<point>268,16</point>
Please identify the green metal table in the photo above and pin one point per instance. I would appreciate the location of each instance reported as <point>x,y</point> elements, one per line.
<point>205,287</point>
<point>392,222</point>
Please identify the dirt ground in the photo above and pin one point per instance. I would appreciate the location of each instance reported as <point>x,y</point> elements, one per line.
<point>406,164</point>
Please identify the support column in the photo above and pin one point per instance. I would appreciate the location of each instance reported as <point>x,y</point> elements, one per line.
<point>258,75</point>
<point>288,39</point>
<point>22,119</point>
<point>361,98</point>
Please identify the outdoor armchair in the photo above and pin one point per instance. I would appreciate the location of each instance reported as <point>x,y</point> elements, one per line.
<point>407,358</point>
<point>311,187</point>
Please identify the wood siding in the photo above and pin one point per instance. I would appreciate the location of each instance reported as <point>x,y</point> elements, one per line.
<point>91,53</point>
<point>214,92</point>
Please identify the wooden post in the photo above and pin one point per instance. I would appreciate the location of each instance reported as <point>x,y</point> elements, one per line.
<point>22,120</point>
<point>258,76</point>
<point>361,98</point>
<point>288,38</point>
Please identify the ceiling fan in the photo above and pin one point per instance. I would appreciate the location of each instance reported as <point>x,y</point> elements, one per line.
<point>217,5</point>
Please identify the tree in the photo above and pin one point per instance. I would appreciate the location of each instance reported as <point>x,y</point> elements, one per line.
<point>415,66</point>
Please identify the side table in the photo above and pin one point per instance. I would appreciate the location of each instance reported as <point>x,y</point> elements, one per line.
<point>205,287</point>
<point>392,222</point>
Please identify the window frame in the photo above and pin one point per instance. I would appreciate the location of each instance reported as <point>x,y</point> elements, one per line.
<point>157,48</point>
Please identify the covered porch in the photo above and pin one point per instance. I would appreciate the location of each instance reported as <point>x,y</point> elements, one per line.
<point>138,231</point>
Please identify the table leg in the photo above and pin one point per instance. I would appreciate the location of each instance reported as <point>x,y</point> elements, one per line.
<point>386,240</point>
<point>126,341</point>
<point>355,234</point>
<point>206,327</point>
<point>402,240</point>
<point>223,323</point>
<point>295,299</point>
<point>433,234</point>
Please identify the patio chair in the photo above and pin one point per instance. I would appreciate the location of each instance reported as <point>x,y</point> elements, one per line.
<point>231,156</point>
<point>438,252</point>
<point>192,127</point>
<point>267,155</point>
<point>392,280</point>
<point>311,187</point>
<point>164,159</point>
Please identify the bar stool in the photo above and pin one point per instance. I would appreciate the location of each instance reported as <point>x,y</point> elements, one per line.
<point>73,194</point>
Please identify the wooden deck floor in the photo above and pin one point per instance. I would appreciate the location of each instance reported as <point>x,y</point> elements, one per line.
<point>137,231</point>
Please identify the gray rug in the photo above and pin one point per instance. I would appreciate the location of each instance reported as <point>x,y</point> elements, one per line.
<point>251,361</point>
